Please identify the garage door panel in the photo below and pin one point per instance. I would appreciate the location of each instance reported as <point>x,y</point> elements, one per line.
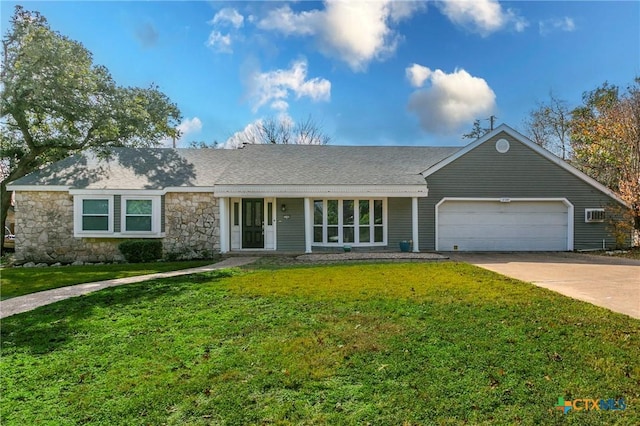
<point>521,231</point>
<point>496,226</point>
<point>488,244</point>
<point>511,206</point>
<point>485,219</point>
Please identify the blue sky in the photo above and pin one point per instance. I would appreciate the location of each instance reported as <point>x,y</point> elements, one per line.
<point>369,72</point>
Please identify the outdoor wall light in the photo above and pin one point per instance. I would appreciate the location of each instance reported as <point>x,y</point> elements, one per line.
<point>283,207</point>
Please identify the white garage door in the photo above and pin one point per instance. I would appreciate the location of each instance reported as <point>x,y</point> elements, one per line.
<point>502,226</point>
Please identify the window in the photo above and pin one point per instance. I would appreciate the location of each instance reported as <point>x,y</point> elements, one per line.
<point>95,215</point>
<point>352,221</point>
<point>92,215</point>
<point>138,215</point>
<point>318,222</point>
<point>594,215</point>
<point>117,216</point>
<point>236,214</point>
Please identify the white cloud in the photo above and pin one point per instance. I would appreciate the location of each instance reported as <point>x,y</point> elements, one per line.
<point>451,100</point>
<point>228,16</point>
<point>548,26</point>
<point>280,105</point>
<point>288,22</point>
<point>250,134</point>
<point>417,74</point>
<point>187,127</point>
<point>355,32</point>
<point>481,16</point>
<point>220,42</point>
<point>275,86</point>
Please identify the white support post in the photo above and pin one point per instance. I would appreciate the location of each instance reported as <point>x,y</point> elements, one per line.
<point>224,224</point>
<point>308,225</point>
<point>414,224</point>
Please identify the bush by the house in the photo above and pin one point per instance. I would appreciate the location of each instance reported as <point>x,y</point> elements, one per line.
<point>138,251</point>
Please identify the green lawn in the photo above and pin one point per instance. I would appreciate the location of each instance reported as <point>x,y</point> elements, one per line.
<point>380,344</point>
<point>20,281</point>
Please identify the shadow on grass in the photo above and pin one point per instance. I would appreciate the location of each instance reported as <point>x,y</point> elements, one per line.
<point>51,327</point>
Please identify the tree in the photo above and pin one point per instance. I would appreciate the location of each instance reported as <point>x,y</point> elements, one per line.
<point>54,102</point>
<point>203,145</point>
<point>281,130</point>
<point>606,142</point>
<point>549,125</point>
<point>476,132</point>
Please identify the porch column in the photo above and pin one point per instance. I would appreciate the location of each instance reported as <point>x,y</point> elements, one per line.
<point>224,224</point>
<point>308,225</point>
<point>414,224</point>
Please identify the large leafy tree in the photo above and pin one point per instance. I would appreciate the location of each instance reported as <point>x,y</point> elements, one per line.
<point>606,141</point>
<point>55,102</point>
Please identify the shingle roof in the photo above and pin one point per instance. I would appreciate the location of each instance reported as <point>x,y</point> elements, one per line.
<point>149,168</point>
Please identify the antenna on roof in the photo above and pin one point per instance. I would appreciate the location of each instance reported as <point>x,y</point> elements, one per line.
<point>492,120</point>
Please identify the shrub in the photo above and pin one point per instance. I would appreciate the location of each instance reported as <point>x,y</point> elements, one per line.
<point>139,251</point>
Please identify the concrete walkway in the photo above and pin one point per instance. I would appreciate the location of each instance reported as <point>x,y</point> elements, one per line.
<point>31,301</point>
<point>609,282</point>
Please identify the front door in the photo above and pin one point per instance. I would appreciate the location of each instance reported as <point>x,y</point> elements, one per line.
<point>253,223</point>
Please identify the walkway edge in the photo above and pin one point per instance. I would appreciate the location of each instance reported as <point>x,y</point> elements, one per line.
<point>28,302</point>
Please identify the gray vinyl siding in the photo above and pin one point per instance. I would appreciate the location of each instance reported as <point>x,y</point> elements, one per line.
<point>117,200</point>
<point>290,232</point>
<point>162,214</point>
<point>399,221</point>
<point>519,173</point>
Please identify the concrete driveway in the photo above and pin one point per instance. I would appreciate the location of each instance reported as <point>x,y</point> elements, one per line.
<point>610,282</point>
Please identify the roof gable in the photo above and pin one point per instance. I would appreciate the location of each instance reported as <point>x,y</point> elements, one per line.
<point>531,145</point>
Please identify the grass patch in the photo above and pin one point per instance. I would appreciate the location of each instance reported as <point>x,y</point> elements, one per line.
<point>20,281</point>
<point>443,343</point>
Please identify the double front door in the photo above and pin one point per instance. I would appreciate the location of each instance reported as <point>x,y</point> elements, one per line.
<point>253,223</point>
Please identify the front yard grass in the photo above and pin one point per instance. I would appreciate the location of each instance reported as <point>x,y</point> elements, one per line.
<point>380,344</point>
<point>20,281</point>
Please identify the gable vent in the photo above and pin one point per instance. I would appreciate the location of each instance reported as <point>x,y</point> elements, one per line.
<point>594,215</point>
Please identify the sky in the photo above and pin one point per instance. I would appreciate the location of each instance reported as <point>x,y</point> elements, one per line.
<point>368,72</point>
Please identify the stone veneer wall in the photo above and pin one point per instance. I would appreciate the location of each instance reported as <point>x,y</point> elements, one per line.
<point>192,225</point>
<point>44,232</point>
<point>44,229</point>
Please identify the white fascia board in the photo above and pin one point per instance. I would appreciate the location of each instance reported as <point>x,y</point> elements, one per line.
<point>97,191</point>
<point>506,199</point>
<point>302,191</point>
<point>149,192</point>
<point>535,147</point>
<point>38,188</point>
<point>188,189</point>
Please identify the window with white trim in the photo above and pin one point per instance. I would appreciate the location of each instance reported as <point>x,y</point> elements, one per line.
<point>594,215</point>
<point>93,215</point>
<point>96,214</point>
<point>140,215</point>
<point>349,221</point>
<point>115,216</point>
